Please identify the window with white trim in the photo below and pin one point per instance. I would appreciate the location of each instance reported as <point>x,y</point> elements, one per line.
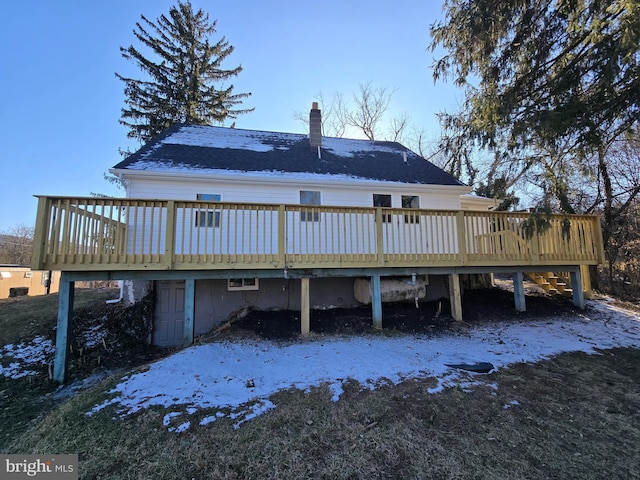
<point>383,200</point>
<point>208,218</point>
<point>309,197</point>
<point>243,284</point>
<point>411,201</point>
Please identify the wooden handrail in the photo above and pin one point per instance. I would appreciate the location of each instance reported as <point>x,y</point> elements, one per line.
<point>142,234</point>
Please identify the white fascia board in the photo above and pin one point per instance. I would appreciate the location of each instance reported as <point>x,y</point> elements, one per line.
<point>311,181</point>
<point>476,202</point>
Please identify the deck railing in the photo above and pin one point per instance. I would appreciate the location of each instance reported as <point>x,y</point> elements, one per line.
<point>134,234</point>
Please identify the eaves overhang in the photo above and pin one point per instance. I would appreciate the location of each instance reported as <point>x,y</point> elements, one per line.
<point>284,179</point>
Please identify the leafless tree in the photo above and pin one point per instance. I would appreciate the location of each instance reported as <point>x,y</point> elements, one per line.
<point>16,245</point>
<point>365,113</point>
<point>398,127</point>
<point>418,141</point>
<point>370,105</point>
<point>335,116</point>
<point>615,195</point>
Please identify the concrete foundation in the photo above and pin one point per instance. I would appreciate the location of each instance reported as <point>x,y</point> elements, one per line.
<point>215,302</point>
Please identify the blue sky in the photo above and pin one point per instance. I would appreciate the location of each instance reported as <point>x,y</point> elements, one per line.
<point>59,130</point>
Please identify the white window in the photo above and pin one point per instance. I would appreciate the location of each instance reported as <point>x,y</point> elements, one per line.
<point>380,200</point>
<point>309,197</point>
<point>242,284</point>
<point>411,201</point>
<point>5,274</point>
<point>208,218</point>
<point>28,274</point>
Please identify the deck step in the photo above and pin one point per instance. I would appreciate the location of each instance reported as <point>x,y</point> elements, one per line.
<point>551,283</point>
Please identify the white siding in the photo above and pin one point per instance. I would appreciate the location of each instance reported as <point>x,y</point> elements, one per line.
<point>272,191</point>
<point>333,233</point>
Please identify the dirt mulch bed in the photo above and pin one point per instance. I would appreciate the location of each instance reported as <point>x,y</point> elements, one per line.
<point>484,305</point>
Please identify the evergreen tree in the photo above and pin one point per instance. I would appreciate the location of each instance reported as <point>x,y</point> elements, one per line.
<point>550,86</point>
<point>546,70</point>
<point>547,83</point>
<point>183,83</point>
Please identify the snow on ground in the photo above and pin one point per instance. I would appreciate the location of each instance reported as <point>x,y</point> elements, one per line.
<point>17,361</point>
<point>93,335</point>
<point>20,358</point>
<point>237,377</point>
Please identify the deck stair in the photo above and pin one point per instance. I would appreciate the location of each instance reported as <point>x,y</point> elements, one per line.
<point>552,283</point>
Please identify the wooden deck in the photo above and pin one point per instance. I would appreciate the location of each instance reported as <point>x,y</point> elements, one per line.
<point>91,238</point>
<point>92,234</point>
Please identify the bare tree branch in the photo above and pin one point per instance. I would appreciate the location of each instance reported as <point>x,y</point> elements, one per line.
<point>16,245</point>
<point>370,106</point>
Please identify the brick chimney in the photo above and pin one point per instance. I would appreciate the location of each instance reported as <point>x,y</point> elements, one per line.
<point>315,127</point>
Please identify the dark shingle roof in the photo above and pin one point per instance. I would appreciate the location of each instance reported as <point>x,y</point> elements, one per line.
<point>207,149</point>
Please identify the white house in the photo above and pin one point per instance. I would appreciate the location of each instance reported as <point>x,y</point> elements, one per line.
<point>222,219</point>
<point>227,166</point>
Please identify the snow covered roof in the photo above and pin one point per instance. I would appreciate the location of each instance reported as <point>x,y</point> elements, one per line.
<point>216,150</point>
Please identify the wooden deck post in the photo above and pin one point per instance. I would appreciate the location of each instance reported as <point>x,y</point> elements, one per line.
<point>376,302</point>
<point>282,248</point>
<point>40,234</point>
<point>189,311</point>
<point>63,332</point>
<point>586,282</point>
<point>576,286</point>
<point>518,292</point>
<point>455,297</point>
<point>304,307</point>
<point>170,235</point>
<point>379,236</point>
<point>462,237</point>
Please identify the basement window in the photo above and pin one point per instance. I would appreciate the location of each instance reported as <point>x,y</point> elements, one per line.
<point>242,284</point>
<point>28,274</point>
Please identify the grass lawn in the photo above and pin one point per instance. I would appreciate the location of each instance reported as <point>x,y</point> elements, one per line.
<point>23,318</point>
<point>571,416</point>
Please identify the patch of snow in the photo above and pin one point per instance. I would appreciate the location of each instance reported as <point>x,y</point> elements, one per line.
<point>212,418</point>
<point>25,355</point>
<point>183,427</point>
<point>93,336</point>
<point>252,412</point>
<point>349,148</point>
<point>512,403</point>
<point>215,375</point>
<point>222,137</point>
<point>101,406</point>
<point>207,420</point>
<point>166,420</point>
<point>70,390</point>
<point>260,141</point>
